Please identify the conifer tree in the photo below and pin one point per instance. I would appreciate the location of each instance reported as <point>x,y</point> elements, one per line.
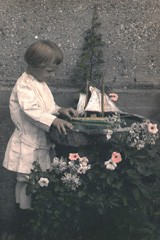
<point>88,70</point>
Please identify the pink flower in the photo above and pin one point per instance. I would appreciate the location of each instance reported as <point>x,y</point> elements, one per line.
<point>113,97</point>
<point>152,128</point>
<point>116,157</point>
<point>73,156</point>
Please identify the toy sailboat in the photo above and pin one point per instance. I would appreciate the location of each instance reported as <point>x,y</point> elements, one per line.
<point>95,106</point>
<point>97,103</point>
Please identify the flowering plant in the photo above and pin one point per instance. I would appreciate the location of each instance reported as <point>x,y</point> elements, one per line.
<point>112,163</point>
<point>53,192</point>
<point>142,134</point>
<point>68,172</point>
<point>110,184</point>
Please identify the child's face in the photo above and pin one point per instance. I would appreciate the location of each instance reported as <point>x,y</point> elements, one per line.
<point>47,72</point>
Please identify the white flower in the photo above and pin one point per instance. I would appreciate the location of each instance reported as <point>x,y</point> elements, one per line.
<point>152,141</point>
<point>59,165</point>
<point>110,165</point>
<point>108,133</point>
<point>73,167</point>
<point>83,159</point>
<point>43,182</point>
<point>62,165</point>
<point>136,127</point>
<point>152,128</point>
<point>72,180</point>
<point>108,136</point>
<point>71,164</point>
<point>140,144</point>
<point>55,162</point>
<point>83,168</point>
<point>83,164</point>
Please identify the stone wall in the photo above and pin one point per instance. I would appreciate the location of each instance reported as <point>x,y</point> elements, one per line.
<point>130,29</point>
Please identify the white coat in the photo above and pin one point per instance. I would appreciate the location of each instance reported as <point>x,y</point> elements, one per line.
<point>31,107</point>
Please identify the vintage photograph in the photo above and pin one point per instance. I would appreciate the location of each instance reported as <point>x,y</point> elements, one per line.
<point>79,120</point>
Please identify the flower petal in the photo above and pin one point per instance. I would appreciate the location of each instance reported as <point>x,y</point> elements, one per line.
<point>116,157</point>
<point>73,156</point>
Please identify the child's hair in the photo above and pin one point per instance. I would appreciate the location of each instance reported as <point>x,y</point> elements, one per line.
<point>40,53</point>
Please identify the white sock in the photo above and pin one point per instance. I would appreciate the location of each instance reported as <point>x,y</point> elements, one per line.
<point>19,186</point>
<point>22,198</point>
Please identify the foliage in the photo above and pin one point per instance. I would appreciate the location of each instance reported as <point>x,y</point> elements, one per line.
<point>114,203</point>
<point>89,65</point>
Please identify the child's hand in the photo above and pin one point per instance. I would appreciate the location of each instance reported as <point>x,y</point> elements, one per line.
<point>113,97</point>
<point>61,125</point>
<point>69,112</point>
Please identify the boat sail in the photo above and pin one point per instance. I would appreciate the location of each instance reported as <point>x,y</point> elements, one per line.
<point>94,103</point>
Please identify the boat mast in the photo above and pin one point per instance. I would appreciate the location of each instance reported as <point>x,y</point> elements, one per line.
<point>102,97</point>
<point>87,96</point>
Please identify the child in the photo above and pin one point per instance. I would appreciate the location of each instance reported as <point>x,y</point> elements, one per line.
<point>33,111</point>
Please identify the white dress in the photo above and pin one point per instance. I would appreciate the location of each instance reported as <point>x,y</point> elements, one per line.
<point>31,107</point>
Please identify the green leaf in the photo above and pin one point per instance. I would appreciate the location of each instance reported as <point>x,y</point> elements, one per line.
<point>157,213</point>
<point>124,200</point>
<point>81,194</point>
<point>118,185</point>
<point>136,194</point>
